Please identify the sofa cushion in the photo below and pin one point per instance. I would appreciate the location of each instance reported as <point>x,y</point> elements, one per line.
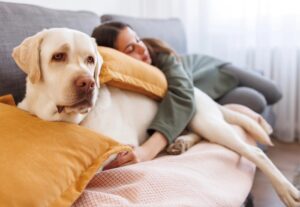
<point>170,30</point>
<point>19,21</point>
<point>47,163</point>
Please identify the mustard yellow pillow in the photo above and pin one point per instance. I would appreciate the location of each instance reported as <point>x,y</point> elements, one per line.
<point>122,71</point>
<point>47,163</point>
<point>7,99</point>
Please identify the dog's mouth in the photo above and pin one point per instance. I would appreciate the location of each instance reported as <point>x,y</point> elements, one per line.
<point>81,106</point>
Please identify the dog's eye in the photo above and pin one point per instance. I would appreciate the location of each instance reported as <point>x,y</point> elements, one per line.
<point>59,57</point>
<point>90,60</point>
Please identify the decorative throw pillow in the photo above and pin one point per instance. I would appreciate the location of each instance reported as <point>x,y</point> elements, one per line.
<point>47,163</point>
<point>7,99</point>
<point>122,71</point>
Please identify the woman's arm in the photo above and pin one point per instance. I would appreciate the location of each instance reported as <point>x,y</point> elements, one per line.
<point>174,113</point>
<point>149,150</point>
<point>153,146</point>
<point>178,105</point>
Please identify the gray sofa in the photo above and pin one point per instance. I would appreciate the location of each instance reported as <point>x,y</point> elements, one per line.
<point>19,21</point>
<point>172,31</point>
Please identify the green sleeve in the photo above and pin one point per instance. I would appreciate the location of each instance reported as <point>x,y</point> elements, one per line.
<point>178,106</point>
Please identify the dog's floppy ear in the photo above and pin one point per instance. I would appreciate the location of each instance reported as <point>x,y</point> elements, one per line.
<point>99,62</point>
<point>27,56</point>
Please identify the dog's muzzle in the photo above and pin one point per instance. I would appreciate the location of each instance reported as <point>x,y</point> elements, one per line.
<point>85,91</point>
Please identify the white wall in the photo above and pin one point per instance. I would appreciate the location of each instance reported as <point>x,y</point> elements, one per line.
<point>97,6</point>
<point>139,8</point>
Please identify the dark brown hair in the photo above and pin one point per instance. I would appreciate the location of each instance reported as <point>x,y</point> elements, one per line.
<point>106,35</point>
<point>156,46</point>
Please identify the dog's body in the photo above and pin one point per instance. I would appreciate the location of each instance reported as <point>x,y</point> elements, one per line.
<point>120,119</point>
<point>120,114</point>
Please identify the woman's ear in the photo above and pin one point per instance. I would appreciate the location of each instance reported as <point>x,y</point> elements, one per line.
<point>27,56</point>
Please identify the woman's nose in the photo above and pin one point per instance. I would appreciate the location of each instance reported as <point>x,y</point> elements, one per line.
<point>141,49</point>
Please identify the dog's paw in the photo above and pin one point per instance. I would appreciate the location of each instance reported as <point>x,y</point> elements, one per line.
<point>178,147</point>
<point>289,194</point>
<point>265,125</point>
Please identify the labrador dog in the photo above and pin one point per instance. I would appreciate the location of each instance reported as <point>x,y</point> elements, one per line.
<point>62,67</point>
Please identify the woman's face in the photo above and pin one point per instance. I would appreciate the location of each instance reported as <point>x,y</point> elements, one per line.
<point>129,43</point>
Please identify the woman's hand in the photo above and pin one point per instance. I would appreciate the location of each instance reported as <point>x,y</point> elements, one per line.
<point>154,145</point>
<point>138,154</point>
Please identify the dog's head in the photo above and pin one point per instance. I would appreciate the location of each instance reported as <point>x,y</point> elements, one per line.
<point>62,64</point>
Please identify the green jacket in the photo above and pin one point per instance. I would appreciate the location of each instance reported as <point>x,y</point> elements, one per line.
<point>205,73</point>
<point>178,106</point>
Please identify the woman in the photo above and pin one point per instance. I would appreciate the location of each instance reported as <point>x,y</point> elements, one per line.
<point>177,107</point>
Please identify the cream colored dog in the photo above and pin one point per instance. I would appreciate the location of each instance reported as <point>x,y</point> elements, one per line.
<point>62,85</point>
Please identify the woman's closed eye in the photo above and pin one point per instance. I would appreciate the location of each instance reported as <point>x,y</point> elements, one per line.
<point>129,49</point>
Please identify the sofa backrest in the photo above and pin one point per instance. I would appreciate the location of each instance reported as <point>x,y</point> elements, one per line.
<point>170,30</point>
<point>18,21</point>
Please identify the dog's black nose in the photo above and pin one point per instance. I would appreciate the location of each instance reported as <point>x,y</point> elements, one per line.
<point>85,84</point>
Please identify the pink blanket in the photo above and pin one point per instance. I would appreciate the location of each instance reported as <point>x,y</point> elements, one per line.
<point>207,175</point>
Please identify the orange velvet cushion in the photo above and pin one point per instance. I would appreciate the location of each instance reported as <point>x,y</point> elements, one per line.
<point>122,71</point>
<point>47,163</point>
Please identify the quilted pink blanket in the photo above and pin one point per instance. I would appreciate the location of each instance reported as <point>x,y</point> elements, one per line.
<point>207,175</point>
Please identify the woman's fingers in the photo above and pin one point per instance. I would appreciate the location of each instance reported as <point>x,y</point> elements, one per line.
<point>121,159</point>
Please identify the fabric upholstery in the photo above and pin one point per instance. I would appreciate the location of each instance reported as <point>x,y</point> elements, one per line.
<point>47,163</point>
<point>170,30</point>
